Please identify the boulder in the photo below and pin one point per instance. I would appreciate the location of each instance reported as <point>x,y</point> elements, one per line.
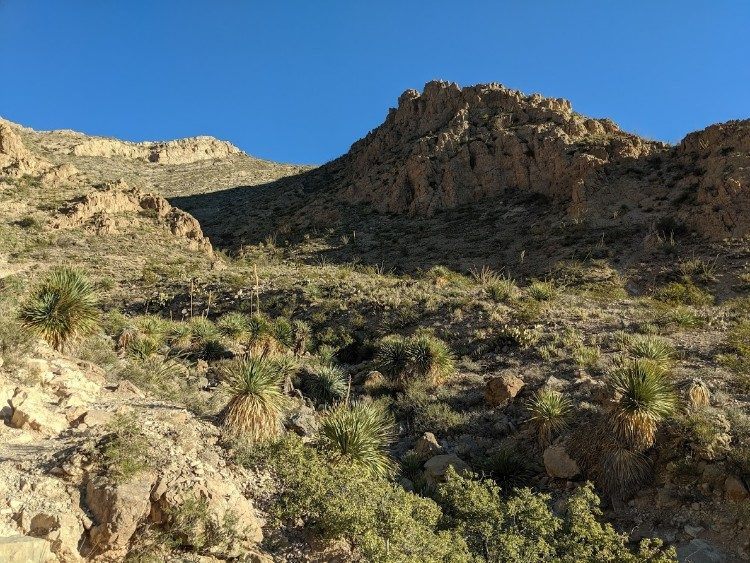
<point>30,412</point>
<point>302,421</point>
<point>559,464</point>
<point>427,446</point>
<point>117,509</point>
<point>436,467</point>
<point>500,389</point>
<point>23,549</point>
<point>735,489</point>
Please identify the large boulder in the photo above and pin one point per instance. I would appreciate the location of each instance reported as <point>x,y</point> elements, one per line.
<point>500,389</point>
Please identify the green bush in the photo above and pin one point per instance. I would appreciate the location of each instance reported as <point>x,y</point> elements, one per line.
<point>383,522</point>
<point>524,528</point>
<point>679,293</point>
<point>125,450</point>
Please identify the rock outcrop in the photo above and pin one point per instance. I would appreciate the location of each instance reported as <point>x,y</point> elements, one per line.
<point>15,159</point>
<point>450,146</point>
<point>58,502</point>
<point>111,207</point>
<point>181,151</point>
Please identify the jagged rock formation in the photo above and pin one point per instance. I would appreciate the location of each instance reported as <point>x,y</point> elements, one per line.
<point>717,161</point>
<point>450,146</point>
<point>181,151</point>
<point>101,211</point>
<point>15,159</point>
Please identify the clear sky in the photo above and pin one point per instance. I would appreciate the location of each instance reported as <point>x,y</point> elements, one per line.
<point>300,80</point>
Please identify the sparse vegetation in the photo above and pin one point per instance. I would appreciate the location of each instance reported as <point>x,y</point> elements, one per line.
<point>550,412</point>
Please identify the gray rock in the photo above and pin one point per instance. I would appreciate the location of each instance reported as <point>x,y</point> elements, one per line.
<point>700,551</point>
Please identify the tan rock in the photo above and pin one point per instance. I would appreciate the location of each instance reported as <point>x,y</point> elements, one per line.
<point>117,509</point>
<point>501,389</point>
<point>427,446</point>
<point>23,549</point>
<point>559,464</point>
<point>30,412</point>
<point>436,467</point>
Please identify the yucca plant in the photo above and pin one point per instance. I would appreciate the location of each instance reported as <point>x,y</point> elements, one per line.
<point>643,398</point>
<point>261,340</point>
<point>393,357</point>
<point>698,394</point>
<point>359,433</point>
<point>62,307</point>
<point>234,326</point>
<point>550,412</point>
<point>257,399</point>
<point>283,331</point>
<point>327,384</point>
<point>623,471</point>
<point>430,358</point>
<point>652,348</point>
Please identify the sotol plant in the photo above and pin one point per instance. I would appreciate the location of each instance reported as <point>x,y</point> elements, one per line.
<point>327,384</point>
<point>550,412</point>
<point>431,358</point>
<point>63,306</point>
<point>643,398</point>
<point>360,433</point>
<point>257,400</point>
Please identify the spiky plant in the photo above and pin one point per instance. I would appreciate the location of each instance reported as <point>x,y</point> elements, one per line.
<point>643,398</point>
<point>203,329</point>
<point>508,466</point>
<point>431,358</point>
<point>261,340</point>
<point>623,471</point>
<point>550,412</point>
<point>62,307</point>
<point>360,433</point>
<point>542,290</point>
<point>698,394</point>
<point>283,331</point>
<point>651,348</point>
<point>257,399</point>
<point>393,358</point>
<point>234,326</point>
<point>327,384</point>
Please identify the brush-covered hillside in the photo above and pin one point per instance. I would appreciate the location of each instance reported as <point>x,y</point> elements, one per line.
<point>494,330</point>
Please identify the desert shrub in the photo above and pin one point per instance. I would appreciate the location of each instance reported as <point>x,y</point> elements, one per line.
<point>501,289</point>
<point>586,356</point>
<point>508,466</point>
<point>202,329</point>
<point>360,434</point>
<point>190,526</point>
<point>515,335</point>
<point>212,349</point>
<point>645,398</point>
<point>393,357</point>
<point>234,326</point>
<point>439,418</point>
<point>442,276</point>
<point>420,357</point>
<point>550,412</point>
<point>381,521</point>
<point>651,348</point>
<point>61,307</point>
<point>326,384</point>
<point>522,527</point>
<point>125,449</point>
<point>15,342</point>
<point>542,290</point>
<point>431,358</point>
<point>165,378</point>
<point>683,317</point>
<point>283,331</point>
<point>684,293</point>
<point>257,399</point>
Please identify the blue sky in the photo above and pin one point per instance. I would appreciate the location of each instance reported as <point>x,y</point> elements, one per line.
<point>299,81</point>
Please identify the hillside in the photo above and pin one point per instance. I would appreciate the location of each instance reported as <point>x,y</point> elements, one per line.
<point>509,300</point>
